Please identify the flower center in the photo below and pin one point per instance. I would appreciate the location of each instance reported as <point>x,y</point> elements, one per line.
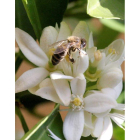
<point>77,102</point>
<point>112,51</point>
<point>97,55</point>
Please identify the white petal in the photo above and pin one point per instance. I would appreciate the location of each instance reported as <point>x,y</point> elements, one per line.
<point>90,41</point>
<point>91,51</point>
<point>109,92</point>
<point>48,93</point>
<point>64,32</point>
<point>30,79</point>
<point>53,135</point>
<point>46,83</point>
<point>78,86</point>
<point>81,64</point>
<point>88,119</point>
<point>98,127</point>
<point>82,31</point>
<point>48,37</point>
<point>118,45</point>
<point>110,79</point>
<point>86,131</point>
<point>98,103</point>
<point>59,75</point>
<point>66,67</point>
<point>30,48</point>
<point>118,89</point>
<point>33,89</point>
<point>103,114</point>
<point>73,125</point>
<point>118,119</point>
<point>63,90</point>
<point>120,107</point>
<point>107,130</point>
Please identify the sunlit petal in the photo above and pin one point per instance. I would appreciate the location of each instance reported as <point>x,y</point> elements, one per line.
<point>30,48</point>
<point>73,125</point>
<point>30,79</point>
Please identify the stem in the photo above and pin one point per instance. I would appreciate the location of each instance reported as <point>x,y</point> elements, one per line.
<point>18,63</point>
<point>92,87</point>
<point>24,125</point>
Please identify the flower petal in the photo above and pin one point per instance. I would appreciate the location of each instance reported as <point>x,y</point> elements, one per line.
<point>81,64</point>
<point>82,31</point>
<point>118,89</point>
<point>118,46</point>
<point>48,93</point>
<point>63,90</point>
<point>98,103</point>
<point>120,107</point>
<point>107,130</point>
<point>30,79</point>
<point>110,79</point>
<point>33,89</point>
<point>48,37</point>
<point>118,119</point>
<point>73,125</point>
<point>90,41</point>
<point>98,127</point>
<point>46,83</point>
<point>30,48</point>
<point>90,52</point>
<point>78,86</point>
<point>86,131</point>
<point>64,32</point>
<point>59,75</point>
<point>88,119</point>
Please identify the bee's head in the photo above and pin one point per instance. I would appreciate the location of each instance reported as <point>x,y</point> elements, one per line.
<point>83,43</point>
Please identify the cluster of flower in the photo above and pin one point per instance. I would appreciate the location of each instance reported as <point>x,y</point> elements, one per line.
<point>89,87</point>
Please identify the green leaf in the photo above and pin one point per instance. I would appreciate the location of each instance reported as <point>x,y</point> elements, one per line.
<point>118,133</point>
<point>21,18</point>
<point>121,98</point>
<point>31,10</point>
<point>40,132</point>
<point>117,25</point>
<point>109,9</point>
<point>51,11</point>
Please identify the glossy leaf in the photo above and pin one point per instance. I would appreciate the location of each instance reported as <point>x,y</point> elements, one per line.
<point>40,132</point>
<point>21,19</point>
<point>109,9</point>
<point>31,10</point>
<point>51,11</point>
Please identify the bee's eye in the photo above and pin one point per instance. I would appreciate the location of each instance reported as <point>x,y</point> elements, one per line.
<point>83,43</point>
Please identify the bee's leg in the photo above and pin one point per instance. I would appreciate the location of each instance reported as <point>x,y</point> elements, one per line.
<point>81,52</point>
<point>70,58</point>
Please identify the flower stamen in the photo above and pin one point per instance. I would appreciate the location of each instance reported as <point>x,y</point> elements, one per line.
<point>97,55</point>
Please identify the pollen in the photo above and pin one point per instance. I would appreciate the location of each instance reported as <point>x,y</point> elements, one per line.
<point>113,51</point>
<point>77,102</point>
<point>97,55</point>
<point>67,58</point>
<point>51,51</point>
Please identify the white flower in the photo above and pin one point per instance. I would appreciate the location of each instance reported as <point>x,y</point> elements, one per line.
<point>101,126</point>
<point>104,66</point>
<point>40,55</point>
<point>78,105</point>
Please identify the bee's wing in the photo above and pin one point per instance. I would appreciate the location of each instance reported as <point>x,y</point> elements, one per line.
<point>60,46</point>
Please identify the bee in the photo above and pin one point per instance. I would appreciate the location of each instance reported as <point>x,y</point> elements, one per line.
<point>65,47</point>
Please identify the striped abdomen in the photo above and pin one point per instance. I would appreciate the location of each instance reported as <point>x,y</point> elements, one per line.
<point>56,58</point>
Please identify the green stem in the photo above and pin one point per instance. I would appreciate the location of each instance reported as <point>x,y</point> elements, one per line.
<point>92,87</point>
<point>24,125</point>
<point>31,10</point>
<point>18,63</point>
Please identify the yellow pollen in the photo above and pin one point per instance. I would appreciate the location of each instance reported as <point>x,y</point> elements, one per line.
<point>77,102</point>
<point>67,58</point>
<point>113,51</point>
<point>51,51</point>
<point>97,55</point>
